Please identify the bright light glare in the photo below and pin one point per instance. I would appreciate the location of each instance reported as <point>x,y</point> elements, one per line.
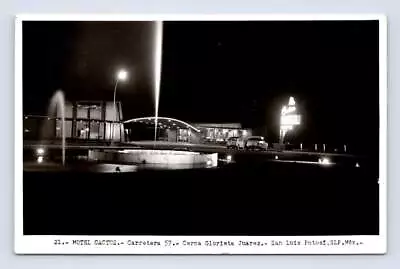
<point>276,157</point>
<point>324,161</point>
<point>291,101</point>
<point>40,151</point>
<point>209,162</point>
<point>40,159</point>
<point>290,120</point>
<point>122,75</point>
<point>286,127</point>
<point>229,158</point>
<point>357,165</point>
<point>284,109</point>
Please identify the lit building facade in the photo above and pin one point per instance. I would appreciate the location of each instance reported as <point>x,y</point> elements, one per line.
<point>221,132</point>
<point>96,121</point>
<point>84,120</point>
<point>174,130</point>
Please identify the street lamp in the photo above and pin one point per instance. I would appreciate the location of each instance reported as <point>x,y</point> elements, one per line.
<point>122,75</point>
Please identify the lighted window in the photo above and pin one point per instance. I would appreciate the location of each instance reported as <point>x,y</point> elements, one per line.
<point>95,113</point>
<point>82,130</point>
<point>68,128</point>
<point>95,130</point>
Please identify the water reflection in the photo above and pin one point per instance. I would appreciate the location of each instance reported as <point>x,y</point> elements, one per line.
<point>112,168</point>
<point>46,159</point>
<point>47,165</point>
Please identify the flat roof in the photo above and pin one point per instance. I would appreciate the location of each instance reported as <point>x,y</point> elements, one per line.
<point>218,125</point>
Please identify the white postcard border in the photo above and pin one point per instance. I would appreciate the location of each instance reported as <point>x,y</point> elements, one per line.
<point>24,244</point>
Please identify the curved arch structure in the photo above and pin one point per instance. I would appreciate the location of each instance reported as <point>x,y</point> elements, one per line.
<point>163,118</point>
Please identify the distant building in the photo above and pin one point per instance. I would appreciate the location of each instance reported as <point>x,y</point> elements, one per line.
<point>174,130</point>
<point>84,120</point>
<point>95,121</point>
<point>220,132</point>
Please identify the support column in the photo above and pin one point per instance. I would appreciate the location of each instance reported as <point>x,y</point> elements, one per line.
<point>103,119</point>
<point>74,116</point>
<point>88,117</point>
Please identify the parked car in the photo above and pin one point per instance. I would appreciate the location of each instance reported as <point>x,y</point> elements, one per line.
<point>231,142</point>
<point>256,143</point>
<point>240,142</point>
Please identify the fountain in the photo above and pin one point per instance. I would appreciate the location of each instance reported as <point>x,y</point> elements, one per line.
<point>171,159</point>
<point>157,71</point>
<point>56,107</point>
<point>121,159</point>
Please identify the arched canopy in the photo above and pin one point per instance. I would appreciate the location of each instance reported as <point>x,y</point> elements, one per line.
<point>163,121</point>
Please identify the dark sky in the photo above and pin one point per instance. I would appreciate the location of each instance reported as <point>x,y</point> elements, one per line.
<point>217,72</point>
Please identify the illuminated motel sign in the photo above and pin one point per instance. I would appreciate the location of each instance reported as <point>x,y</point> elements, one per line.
<point>289,118</point>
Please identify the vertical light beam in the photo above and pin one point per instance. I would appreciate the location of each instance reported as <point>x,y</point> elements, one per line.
<point>157,70</point>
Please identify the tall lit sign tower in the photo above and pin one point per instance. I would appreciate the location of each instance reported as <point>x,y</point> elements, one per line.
<point>289,119</point>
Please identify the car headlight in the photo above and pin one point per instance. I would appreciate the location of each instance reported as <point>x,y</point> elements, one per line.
<point>324,161</point>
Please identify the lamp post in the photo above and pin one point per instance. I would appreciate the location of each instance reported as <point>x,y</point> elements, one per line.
<point>122,75</point>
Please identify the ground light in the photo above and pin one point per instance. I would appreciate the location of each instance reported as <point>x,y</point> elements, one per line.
<point>40,151</point>
<point>40,159</point>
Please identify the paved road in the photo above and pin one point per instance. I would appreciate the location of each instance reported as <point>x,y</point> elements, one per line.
<point>177,146</point>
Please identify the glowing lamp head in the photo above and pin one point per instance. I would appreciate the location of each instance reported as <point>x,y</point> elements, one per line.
<point>122,75</point>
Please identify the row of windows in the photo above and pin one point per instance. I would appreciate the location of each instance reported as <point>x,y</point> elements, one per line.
<point>91,130</point>
<point>220,135</point>
<point>94,112</point>
<point>211,134</point>
<point>83,129</point>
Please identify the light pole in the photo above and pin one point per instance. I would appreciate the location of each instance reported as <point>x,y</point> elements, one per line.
<point>122,75</point>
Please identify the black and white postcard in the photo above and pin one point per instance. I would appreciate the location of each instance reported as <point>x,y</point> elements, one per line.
<point>200,134</point>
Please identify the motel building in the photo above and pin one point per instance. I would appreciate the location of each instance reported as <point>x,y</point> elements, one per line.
<point>175,130</point>
<point>96,121</point>
<point>84,121</point>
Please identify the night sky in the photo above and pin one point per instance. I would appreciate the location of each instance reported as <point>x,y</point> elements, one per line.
<point>217,72</point>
